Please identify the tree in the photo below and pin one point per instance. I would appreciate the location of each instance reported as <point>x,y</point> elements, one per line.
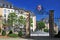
<point>31,21</point>
<point>20,33</point>
<point>40,25</point>
<point>3,33</point>
<point>12,18</point>
<point>21,20</point>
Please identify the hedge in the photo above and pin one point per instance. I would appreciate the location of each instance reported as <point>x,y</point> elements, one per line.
<point>13,35</point>
<point>3,33</point>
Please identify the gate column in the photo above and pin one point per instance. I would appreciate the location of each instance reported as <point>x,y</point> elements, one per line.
<point>28,24</point>
<point>51,23</point>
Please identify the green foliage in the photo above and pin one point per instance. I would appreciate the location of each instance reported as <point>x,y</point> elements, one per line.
<point>46,30</point>
<point>40,25</point>
<point>10,32</point>
<point>22,20</point>
<point>3,33</point>
<point>31,25</point>
<point>31,21</point>
<point>12,18</point>
<point>13,35</point>
<point>21,17</point>
<point>5,24</point>
<point>20,34</point>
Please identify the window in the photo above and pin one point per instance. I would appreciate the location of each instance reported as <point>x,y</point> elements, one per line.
<point>8,11</point>
<point>4,15</point>
<point>4,10</point>
<point>12,6</point>
<point>8,6</point>
<point>22,12</point>
<point>16,11</point>
<point>11,10</point>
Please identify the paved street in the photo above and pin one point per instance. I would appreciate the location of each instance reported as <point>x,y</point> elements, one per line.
<point>39,33</point>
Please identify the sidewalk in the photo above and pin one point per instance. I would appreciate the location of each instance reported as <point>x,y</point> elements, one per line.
<point>14,39</point>
<point>10,38</point>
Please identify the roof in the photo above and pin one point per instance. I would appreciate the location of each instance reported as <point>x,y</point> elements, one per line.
<point>16,8</point>
<point>5,2</point>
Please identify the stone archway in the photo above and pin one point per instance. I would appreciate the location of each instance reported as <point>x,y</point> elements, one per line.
<point>27,24</point>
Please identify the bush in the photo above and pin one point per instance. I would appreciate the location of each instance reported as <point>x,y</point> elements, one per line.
<point>13,35</point>
<point>10,32</point>
<point>3,33</point>
<point>46,30</point>
<point>20,34</point>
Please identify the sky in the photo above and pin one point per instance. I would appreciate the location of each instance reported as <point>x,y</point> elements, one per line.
<point>31,5</point>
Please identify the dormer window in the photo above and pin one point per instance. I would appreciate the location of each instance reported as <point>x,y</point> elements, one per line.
<point>8,6</point>
<point>12,6</point>
<point>1,4</point>
<point>4,5</point>
<point>22,12</point>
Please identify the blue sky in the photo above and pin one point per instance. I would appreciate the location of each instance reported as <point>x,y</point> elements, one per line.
<point>32,4</point>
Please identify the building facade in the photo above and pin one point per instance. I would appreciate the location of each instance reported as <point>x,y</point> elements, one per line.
<point>6,8</point>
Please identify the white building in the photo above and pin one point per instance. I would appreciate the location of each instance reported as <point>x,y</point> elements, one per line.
<point>6,8</point>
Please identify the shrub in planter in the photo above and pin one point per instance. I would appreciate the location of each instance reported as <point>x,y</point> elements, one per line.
<point>46,30</point>
<point>3,33</point>
<point>10,32</point>
<point>20,34</point>
<point>13,35</point>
